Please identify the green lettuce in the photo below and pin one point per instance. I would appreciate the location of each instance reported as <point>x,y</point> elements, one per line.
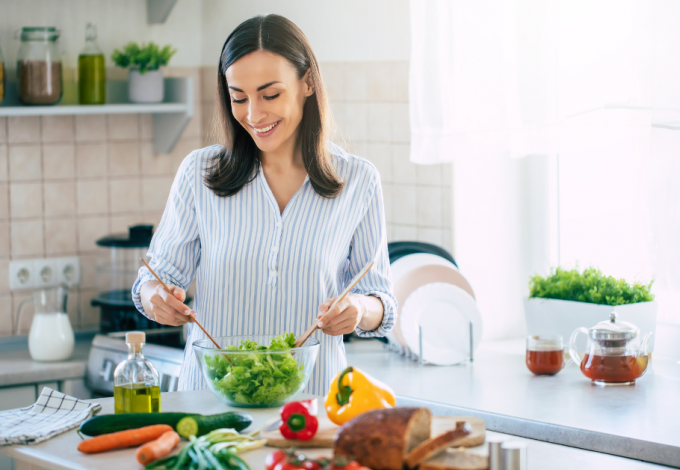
<point>254,379</point>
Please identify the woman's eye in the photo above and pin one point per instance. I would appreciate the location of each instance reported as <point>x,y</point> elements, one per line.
<point>269,98</point>
<point>238,101</point>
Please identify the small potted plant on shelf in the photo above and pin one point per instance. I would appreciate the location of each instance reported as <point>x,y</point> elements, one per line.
<point>144,62</point>
<point>567,299</point>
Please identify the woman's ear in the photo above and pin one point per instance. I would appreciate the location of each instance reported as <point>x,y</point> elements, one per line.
<point>309,83</point>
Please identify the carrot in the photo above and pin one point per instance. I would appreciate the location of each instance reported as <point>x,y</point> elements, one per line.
<point>118,440</point>
<point>154,450</point>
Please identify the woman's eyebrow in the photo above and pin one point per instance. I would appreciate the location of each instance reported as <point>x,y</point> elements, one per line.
<point>266,85</point>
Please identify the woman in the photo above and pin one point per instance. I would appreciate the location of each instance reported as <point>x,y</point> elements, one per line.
<point>275,222</point>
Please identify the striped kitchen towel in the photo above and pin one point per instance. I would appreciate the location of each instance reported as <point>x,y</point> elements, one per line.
<point>52,414</point>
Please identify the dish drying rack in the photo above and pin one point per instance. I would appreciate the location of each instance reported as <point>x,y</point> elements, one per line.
<point>417,356</point>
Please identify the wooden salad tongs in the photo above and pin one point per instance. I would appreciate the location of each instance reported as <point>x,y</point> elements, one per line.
<point>305,336</point>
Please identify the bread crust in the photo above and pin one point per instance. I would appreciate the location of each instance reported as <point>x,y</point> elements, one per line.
<point>380,439</point>
<point>437,444</point>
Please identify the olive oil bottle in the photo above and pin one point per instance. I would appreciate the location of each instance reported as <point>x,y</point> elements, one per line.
<point>136,387</point>
<point>91,70</point>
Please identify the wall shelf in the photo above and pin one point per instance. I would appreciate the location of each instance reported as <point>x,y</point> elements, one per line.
<point>170,117</point>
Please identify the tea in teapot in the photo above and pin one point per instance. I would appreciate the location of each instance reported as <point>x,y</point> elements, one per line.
<point>612,356</point>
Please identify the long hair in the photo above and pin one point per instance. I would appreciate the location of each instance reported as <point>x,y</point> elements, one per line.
<point>238,163</point>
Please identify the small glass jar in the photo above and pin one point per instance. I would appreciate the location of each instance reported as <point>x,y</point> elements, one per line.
<point>39,68</point>
<point>136,386</point>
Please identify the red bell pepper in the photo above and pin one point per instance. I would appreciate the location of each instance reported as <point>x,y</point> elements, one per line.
<point>298,420</point>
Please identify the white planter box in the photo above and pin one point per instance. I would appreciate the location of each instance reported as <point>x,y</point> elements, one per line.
<point>147,88</point>
<point>562,317</point>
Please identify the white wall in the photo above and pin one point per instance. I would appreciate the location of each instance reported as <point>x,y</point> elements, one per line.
<point>340,31</point>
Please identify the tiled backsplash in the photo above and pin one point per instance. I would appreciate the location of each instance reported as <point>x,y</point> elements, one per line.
<point>66,181</point>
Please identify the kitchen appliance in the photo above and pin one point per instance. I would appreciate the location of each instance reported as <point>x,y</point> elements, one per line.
<point>613,356</point>
<point>117,266</point>
<point>39,69</point>
<point>110,350</point>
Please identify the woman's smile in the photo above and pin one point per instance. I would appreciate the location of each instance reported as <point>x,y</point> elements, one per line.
<point>266,130</point>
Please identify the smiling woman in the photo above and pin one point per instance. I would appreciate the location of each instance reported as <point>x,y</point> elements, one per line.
<point>275,221</point>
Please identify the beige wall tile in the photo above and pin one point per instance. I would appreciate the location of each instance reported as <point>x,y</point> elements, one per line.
<point>124,158</point>
<point>59,161</point>
<point>401,127</point>
<point>91,160</point>
<point>146,126</point>
<point>430,175</point>
<point>4,278</point>
<point>57,128</point>
<point>447,174</point>
<point>338,128</point>
<point>27,238</point>
<point>92,197</point>
<point>355,120</point>
<point>208,83</point>
<point>431,235</point>
<point>24,162</point>
<point>429,206</point>
<point>333,76</point>
<point>60,198</point>
<point>207,132</point>
<point>356,81</point>
<point>404,197</point>
<point>3,130</point>
<point>387,192</point>
<point>60,236</point>
<point>379,122</point>
<point>4,201</point>
<point>447,207</point>
<point>400,82</point>
<point>125,195</point>
<point>193,129</point>
<point>183,148</point>
<point>122,223</point>
<point>123,126</point>
<point>381,156</point>
<point>404,233</point>
<point>4,239</point>
<point>4,163</point>
<point>89,315</point>
<point>89,231</point>
<point>155,191</point>
<point>90,128</point>
<point>6,316</point>
<point>403,171</point>
<point>23,129</point>
<point>390,233</point>
<point>380,81</point>
<point>88,269</point>
<point>25,200</point>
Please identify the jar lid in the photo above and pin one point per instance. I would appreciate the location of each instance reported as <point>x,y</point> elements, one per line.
<point>138,236</point>
<point>32,33</point>
<point>135,337</point>
<point>612,329</point>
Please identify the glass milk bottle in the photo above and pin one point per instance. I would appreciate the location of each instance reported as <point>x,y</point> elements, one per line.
<point>51,336</point>
<point>136,386</point>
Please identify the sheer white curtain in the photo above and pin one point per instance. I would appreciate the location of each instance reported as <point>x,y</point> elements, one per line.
<point>590,89</point>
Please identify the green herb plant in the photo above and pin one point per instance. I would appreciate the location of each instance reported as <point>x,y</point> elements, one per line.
<point>145,57</point>
<point>589,286</point>
<point>257,378</point>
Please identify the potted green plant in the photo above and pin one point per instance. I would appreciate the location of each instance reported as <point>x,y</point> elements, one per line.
<point>568,299</point>
<point>144,62</point>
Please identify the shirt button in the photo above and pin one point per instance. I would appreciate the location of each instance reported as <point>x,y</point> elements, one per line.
<point>275,249</point>
<point>272,273</point>
<point>278,224</point>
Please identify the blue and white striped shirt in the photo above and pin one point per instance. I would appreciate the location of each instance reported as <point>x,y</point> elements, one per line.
<point>262,272</point>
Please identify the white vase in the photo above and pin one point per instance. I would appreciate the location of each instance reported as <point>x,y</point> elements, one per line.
<point>562,317</point>
<point>147,87</point>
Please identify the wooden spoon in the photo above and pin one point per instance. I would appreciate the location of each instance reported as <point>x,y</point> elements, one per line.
<point>305,336</point>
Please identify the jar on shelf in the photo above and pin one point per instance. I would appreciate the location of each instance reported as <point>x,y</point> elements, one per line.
<point>39,67</point>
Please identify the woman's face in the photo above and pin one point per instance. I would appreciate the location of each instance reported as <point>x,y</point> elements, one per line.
<point>267,98</point>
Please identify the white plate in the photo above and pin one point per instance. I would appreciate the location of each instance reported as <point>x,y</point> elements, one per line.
<point>408,263</point>
<point>444,312</point>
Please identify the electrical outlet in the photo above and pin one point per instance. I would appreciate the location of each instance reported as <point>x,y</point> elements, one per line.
<point>68,271</point>
<point>21,274</point>
<point>45,272</point>
<point>42,273</point>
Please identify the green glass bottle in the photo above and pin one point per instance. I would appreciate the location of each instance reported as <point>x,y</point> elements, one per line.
<point>91,70</point>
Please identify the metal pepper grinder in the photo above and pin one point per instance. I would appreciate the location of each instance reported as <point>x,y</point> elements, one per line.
<point>513,456</point>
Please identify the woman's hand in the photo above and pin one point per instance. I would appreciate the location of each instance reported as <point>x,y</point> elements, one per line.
<point>165,308</point>
<point>355,310</point>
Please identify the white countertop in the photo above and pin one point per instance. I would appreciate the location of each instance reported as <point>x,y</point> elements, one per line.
<point>17,367</point>
<point>60,452</point>
<point>639,421</point>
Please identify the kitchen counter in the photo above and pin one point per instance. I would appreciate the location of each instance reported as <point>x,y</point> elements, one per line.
<point>639,421</point>
<point>17,367</point>
<point>60,453</point>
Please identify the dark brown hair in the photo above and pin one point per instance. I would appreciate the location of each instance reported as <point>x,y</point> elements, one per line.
<point>238,162</point>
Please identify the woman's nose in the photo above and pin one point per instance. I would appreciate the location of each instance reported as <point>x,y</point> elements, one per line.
<point>255,112</point>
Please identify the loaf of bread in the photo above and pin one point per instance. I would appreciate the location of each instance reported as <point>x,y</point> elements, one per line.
<point>437,444</point>
<point>381,439</point>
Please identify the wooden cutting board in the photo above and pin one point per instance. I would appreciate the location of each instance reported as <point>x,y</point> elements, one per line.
<point>326,433</point>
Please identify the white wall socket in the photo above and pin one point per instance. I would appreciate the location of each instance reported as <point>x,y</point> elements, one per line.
<point>41,273</point>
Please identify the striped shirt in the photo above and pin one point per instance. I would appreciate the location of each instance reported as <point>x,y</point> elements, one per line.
<point>260,272</point>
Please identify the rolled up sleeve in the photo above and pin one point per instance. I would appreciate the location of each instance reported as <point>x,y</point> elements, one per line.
<point>370,243</point>
<point>175,247</point>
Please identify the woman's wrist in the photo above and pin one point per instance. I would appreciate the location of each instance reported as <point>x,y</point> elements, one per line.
<point>371,310</point>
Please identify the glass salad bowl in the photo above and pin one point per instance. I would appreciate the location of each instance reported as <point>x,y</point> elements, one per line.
<point>256,371</point>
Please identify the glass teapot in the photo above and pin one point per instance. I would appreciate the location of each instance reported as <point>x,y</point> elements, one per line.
<point>612,356</point>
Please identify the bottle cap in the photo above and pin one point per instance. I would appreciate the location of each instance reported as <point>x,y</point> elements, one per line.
<point>514,455</point>
<point>135,337</point>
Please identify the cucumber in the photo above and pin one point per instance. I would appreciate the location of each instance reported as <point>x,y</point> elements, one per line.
<point>106,424</point>
<point>201,425</point>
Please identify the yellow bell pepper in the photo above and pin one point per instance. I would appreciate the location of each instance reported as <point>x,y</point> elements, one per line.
<point>353,392</point>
